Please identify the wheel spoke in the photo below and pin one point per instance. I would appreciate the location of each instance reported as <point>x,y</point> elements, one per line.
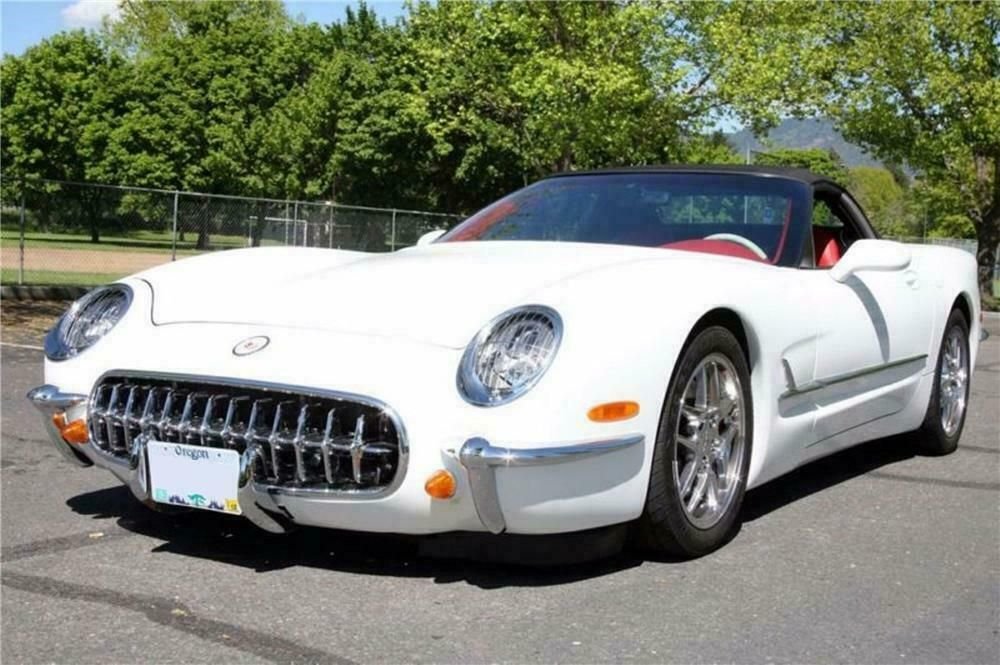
<point>693,414</point>
<point>698,492</point>
<point>701,389</point>
<point>712,491</point>
<point>687,477</point>
<point>714,385</point>
<point>688,442</point>
<point>725,448</point>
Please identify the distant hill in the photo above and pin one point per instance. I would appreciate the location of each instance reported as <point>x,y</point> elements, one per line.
<point>793,133</point>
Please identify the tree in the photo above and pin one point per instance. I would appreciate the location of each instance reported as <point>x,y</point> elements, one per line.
<point>889,207</point>
<point>912,82</point>
<point>817,160</point>
<point>53,97</point>
<point>202,74</point>
<point>514,91</point>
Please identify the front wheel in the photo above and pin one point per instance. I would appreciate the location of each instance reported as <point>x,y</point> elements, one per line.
<point>702,453</point>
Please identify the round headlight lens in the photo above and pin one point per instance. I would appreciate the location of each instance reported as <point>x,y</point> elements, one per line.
<point>509,355</point>
<point>87,320</point>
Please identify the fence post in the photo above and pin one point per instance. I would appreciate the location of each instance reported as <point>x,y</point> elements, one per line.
<point>392,235</point>
<point>173,235</point>
<point>20,265</point>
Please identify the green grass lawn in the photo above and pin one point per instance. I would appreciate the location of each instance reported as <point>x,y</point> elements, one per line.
<point>54,278</point>
<point>140,241</point>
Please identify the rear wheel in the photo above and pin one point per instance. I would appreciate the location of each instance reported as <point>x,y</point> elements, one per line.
<point>942,426</point>
<point>702,454</point>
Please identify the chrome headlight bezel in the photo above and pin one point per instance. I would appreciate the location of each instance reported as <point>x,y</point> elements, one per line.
<point>471,386</point>
<point>64,340</point>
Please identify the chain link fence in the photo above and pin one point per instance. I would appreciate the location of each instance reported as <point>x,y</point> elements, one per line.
<point>63,233</point>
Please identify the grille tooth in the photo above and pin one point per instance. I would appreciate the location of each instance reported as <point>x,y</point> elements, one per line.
<point>328,431</point>
<point>127,416</point>
<point>305,441</point>
<point>110,421</point>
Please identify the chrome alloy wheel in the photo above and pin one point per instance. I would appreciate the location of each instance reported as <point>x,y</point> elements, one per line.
<point>954,381</point>
<point>709,449</point>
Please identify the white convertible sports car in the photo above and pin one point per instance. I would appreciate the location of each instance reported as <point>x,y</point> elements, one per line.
<point>632,345</point>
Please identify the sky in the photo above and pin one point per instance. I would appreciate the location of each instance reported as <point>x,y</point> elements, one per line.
<point>27,22</point>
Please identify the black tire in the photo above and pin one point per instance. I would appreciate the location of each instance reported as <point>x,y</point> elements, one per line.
<point>932,438</point>
<point>664,526</point>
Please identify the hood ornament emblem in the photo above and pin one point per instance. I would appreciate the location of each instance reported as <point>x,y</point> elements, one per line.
<point>251,345</point>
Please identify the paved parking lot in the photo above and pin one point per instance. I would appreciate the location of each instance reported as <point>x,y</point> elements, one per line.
<point>874,555</point>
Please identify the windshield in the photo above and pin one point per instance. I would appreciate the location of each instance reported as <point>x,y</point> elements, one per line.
<point>652,210</point>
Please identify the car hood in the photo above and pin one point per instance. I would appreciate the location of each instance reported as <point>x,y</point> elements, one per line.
<point>440,294</point>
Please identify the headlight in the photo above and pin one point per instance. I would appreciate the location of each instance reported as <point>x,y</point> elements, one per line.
<point>87,320</point>
<point>509,355</point>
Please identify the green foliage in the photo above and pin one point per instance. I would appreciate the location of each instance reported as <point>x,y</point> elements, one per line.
<point>52,96</point>
<point>888,206</point>
<point>913,82</point>
<point>457,104</point>
<point>823,162</point>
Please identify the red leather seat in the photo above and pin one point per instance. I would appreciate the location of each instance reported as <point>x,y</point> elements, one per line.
<point>826,242</point>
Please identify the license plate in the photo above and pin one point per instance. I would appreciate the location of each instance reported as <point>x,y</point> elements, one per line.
<point>194,476</point>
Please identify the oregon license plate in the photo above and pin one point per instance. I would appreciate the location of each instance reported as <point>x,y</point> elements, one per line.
<point>194,476</point>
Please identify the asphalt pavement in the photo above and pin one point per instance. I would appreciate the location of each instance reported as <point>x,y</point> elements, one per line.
<point>874,555</point>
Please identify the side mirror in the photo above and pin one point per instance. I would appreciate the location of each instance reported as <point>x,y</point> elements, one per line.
<point>430,237</point>
<point>882,255</point>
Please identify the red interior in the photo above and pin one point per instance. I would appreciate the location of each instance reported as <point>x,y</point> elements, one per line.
<point>827,245</point>
<point>723,247</point>
<point>474,226</point>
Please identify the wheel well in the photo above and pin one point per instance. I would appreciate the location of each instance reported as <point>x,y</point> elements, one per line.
<point>729,320</point>
<point>962,305</point>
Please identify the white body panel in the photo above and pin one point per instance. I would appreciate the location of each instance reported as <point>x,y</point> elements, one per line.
<point>394,326</point>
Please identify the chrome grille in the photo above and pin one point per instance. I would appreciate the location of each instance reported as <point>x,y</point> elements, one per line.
<point>305,440</point>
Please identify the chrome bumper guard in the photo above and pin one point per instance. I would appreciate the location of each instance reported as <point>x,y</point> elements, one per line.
<point>50,400</point>
<point>481,460</point>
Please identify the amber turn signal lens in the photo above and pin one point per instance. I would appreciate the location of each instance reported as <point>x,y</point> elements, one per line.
<point>74,432</point>
<point>440,485</point>
<point>612,411</point>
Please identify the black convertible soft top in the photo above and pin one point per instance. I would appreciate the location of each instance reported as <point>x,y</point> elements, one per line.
<point>802,175</point>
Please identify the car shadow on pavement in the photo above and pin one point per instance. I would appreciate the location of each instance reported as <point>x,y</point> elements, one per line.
<point>233,541</point>
<point>826,472</point>
<point>238,542</point>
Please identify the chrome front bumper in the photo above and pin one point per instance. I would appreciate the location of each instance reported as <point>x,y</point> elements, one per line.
<point>481,461</point>
<point>263,504</point>
<point>134,472</point>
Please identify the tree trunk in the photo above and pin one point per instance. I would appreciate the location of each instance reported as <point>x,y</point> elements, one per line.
<point>988,236</point>
<point>204,226</point>
<point>257,230</point>
<point>988,224</point>
<point>93,207</point>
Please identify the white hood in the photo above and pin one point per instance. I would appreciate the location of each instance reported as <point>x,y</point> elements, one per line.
<point>440,294</point>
